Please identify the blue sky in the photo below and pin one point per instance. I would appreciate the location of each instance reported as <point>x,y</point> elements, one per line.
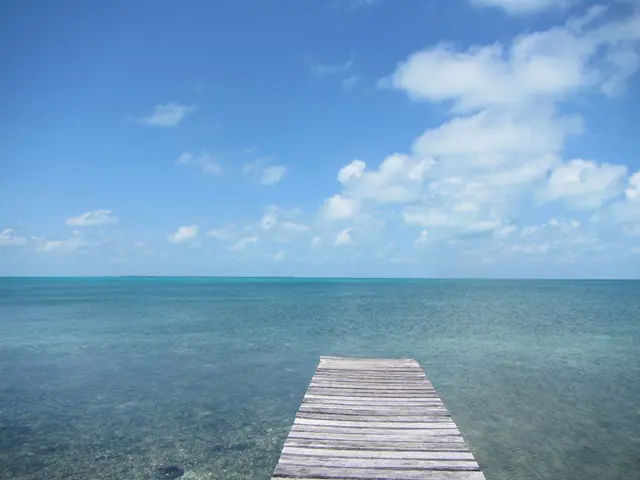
<point>489,138</point>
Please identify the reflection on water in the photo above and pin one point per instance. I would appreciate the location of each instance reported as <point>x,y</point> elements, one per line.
<point>153,378</point>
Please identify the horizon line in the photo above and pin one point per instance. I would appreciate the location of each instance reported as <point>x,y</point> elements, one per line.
<point>302,277</point>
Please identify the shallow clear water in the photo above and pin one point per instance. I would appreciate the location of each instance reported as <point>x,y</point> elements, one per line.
<point>114,378</point>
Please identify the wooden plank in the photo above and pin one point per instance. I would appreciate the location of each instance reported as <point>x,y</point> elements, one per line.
<point>374,419</point>
<point>386,463</point>
<point>359,424</point>
<point>378,437</point>
<point>302,472</point>
<point>424,455</point>
<point>353,444</point>
<point>414,433</point>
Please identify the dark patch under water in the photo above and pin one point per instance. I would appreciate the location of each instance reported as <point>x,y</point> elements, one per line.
<point>169,473</point>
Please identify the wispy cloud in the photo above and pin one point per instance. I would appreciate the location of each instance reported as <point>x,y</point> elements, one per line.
<point>266,175</point>
<point>327,69</point>
<point>94,218</point>
<point>222,233</point>
<point>185,234</point>
<point>77,241</point>
<point>167,115</point>
<point>272,175</point>
<point>350,81</point>
<point>343,237</point>
<point>202,160</point>
<point>521,7</point>
<point>243,243</point>
<point>10,238</point>
<point>355,4</point>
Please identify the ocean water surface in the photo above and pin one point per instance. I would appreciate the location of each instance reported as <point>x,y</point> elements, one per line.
<point>116,378</point>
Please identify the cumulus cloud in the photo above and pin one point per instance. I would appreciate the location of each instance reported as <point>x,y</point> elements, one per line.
<point>502,148</point>
<point>93,218</point>
<point>584,184</point>
<point>398,179</point>
<point>185,234</point>
<point>536,67</point>
<point>202,160</point>
<point>339,207</point>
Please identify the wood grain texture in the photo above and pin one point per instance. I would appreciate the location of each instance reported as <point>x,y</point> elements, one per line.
<point>374,419</point>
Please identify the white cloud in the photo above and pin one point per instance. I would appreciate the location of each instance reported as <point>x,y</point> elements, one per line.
<point>443,220</point>
<point>632,192</point>
<point>243,243</point>
<point>10,238</point>
<point>536,67</point>
<point>93,218</point>
<point>202,160</point>
<point>339,207</point>
<point>168,115</point>
<point>504,147</point>
<point>279,256</point>
<point>422,239</point>
<point>316,242</point>
<point>490,136</point>
<point>343,237</point>
<point>272,175</point>
<point>74,243</point>
<point>520,7</point>
<point>184,234</point>
<point>584,184</point>
<point>265,174</point>
<point>398,179</point>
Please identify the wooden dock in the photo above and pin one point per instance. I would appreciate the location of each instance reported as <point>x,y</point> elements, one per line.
<point>374,419</point>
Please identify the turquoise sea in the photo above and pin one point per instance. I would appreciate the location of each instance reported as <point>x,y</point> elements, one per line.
<point>116,378</point>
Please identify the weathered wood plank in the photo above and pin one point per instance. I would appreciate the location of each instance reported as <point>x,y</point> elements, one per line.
<point>374,419</point>
<point>304,422</point>
<point>386,463</point>
<point>302,472</point>
<point>398,400</point>
<point>332,452</point>
<point>414,433</point>
<point>434,446</point>
<point>393,412</point>
<point>378,437</point>
<point>365,419</point>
